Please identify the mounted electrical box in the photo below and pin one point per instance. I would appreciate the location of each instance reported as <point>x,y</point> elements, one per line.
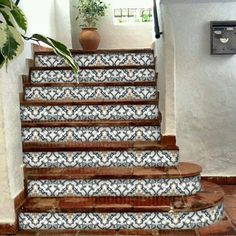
<point>223,37</point>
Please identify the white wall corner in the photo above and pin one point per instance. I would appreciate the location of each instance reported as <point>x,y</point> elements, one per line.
<point>63,22</point>
<point>7,211</point>
<point>166,67</point>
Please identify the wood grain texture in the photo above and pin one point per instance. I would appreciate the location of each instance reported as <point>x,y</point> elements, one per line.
<point>182,170</point>
<point>97,146</point>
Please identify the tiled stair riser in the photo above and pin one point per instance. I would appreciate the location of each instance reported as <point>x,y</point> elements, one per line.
<point>95,75</point>
<point>111,59</point>
<point>101,159</point>
<point>115,187</point>
<point>90,93</point>
<point>90,134</point>
<point>149,220</point>
<point>91,112</point>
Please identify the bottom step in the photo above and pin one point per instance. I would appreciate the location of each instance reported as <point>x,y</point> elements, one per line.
<point>114,213</point>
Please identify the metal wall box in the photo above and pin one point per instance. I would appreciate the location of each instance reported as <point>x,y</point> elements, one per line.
<point>223,37</point>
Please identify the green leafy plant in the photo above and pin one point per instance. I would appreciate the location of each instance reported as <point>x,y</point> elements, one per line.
<point>90,12</point>
<point>146,18</point>
<point>13,28</point>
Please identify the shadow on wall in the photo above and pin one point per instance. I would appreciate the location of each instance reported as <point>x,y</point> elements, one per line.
<point>131,35</point>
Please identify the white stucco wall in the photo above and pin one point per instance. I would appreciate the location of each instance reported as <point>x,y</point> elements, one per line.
<point>11,174</point>
<point>166,67</point>
<point>118,36</point>
<point>63,22</point>
<point>205,86</point>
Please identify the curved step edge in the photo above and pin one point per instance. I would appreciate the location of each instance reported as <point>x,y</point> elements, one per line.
<point>197,211</point>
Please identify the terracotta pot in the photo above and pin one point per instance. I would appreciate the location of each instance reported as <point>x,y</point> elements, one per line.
<point>89,39</point>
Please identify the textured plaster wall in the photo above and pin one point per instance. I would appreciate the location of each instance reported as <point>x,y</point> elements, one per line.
<point>63,22</point>
<point>118,36</point>
<point>205,87</point>
<point>166,68</point>
<point>11,174</point>
<point>6,204</point>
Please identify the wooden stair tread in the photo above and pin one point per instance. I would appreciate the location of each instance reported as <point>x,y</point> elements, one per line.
<point>94,84</point>
<point>100,67</point>
<point>47,51</point>
<point>98,146</point>
<point>88,102</point>
<point>182,170</point>
<point>92,123</point>
<point>210,195</point>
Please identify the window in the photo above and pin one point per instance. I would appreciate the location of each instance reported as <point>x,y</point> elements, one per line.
<point>132,15</point>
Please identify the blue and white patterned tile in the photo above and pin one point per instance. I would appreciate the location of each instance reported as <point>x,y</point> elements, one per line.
<point>114,187</point>
<point>92,112</point>
<point>90,134</point>
<point>90,93</point>
<point>95,75</point>
<point>97,221</point>
<point>161,158</point>
<point>111,59</point>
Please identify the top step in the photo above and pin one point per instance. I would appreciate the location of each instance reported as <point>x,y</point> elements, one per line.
<point>115,57</point>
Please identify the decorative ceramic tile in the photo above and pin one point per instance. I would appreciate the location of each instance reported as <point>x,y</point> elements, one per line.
<point>92,112</point>
<point>90,93</point>
<point>115,187</point>
<point>95,75</point>
<point>90,134</point>
<point>162,158</point>
<point>147,220</point>
<point>111,59</point>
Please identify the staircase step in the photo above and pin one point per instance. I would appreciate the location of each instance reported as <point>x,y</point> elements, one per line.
<point>161,158</point>
<point>92,123</point>
<point>98,58</point>
<point>31,111</point>
<point>90,134</point>
<point>97,146</point>
<point>183,179</point>
<point>90,84</point>
<point>89,102</point>
<point>90,93</point>
<point>127,74</point>
<point>184,169</point>
<point>94,213</point>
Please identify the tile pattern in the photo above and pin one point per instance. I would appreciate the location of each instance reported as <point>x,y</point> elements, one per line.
<point>90,134</point>
<point>111,59</point>
<point>115,187</point>
<point>102,187</point>
<point>101,159</point>
<point>95,75</point>
<point>86,221</point>
<point>91,112</point>
<point>90,93</point>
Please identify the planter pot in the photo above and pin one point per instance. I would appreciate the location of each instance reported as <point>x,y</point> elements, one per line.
<point>89,39</point>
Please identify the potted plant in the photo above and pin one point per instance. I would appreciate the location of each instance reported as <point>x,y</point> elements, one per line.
<point>89,13</point>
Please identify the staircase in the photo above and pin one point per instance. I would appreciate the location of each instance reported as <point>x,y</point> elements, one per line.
<point>93,151</point>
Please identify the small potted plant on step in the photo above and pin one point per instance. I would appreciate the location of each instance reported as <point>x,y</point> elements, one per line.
<point>89,13</point>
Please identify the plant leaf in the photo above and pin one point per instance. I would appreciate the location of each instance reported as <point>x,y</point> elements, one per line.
<point>7,3</point>
<point>3,39</point>
<point>3,35</point>
<point>2,60</point>
<point>14,16</point>
<point>7,15</point>
<point>59,48</point>
<point>13,45</point>
<point>19,17</point>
